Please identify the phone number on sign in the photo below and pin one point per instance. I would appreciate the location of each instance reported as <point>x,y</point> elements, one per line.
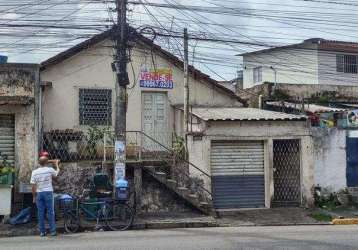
<point>156,84</point>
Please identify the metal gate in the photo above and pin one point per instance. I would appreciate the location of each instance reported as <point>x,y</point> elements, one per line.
<point>352,161</point>
<point>237,170</point>
<point>287,178</point>
<point>7,139</point>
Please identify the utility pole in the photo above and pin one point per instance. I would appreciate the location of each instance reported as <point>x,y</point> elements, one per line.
<point>186,87</point>
<point>120,63</point>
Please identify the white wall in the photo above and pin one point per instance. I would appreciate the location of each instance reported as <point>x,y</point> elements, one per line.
<point>91,68</point>
<point>264,131</point>
<point>330,158</point>
<point>295,66</point>
<point>327,71</point>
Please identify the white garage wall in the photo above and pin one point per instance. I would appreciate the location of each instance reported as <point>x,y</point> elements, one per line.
<point>330,158</point>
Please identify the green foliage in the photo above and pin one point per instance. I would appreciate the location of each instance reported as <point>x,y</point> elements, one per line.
<point>179,146</point>
<point>323,97</point>
<point>329,202</point>
<point>94,135</point>
<point>280,95</point>
<point>321,217</point>
<point>5,167</point>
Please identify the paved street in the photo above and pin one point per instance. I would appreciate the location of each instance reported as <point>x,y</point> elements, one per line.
<point>298,237</point>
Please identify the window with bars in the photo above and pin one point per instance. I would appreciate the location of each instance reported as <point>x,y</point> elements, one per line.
<point>346,63</point>
<point>95,106</point>
<point>257,74</point>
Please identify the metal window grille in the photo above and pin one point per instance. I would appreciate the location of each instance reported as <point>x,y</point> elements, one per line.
<point>346,63</point>
<point>95,106</point>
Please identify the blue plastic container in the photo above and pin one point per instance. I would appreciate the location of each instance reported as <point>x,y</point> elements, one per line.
<point>122,189</point>
<point>3,59</point>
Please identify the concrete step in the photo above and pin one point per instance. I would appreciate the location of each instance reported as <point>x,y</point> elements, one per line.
<point>183,190</point>
<point>161,175</point>
<point>193,197</point>
<point>203,204</point>
<point>172,183</point>
<point>151,168</point>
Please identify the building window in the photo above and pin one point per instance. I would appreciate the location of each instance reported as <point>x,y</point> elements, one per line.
<point>257,74</point>
<point>346,64</point>
<point>95,106</point>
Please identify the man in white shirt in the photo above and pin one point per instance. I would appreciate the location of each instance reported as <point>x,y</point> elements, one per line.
<point>42,192</point>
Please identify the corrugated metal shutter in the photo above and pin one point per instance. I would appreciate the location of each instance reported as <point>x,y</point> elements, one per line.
<point>7,138</point>
<point>237,169</point>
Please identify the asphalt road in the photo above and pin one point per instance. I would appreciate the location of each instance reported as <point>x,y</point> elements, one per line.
<point>298,237</point>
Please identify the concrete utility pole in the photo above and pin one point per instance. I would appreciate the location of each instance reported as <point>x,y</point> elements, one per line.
<point>120,63</point>
<point>121,35</point>
<point>186,87</point>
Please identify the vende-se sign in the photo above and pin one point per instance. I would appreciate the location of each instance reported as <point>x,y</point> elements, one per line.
<point>161,78</point>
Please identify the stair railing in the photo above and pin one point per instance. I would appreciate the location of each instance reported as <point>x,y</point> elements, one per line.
<point>143,147</point>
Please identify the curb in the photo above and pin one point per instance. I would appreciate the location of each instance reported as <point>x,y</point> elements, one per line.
<point>277,225</point>
<point>14,232</point>
<point>137,226</point>
<point>347,221</point>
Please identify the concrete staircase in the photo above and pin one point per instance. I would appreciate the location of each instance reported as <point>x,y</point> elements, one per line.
<point>185,192</point>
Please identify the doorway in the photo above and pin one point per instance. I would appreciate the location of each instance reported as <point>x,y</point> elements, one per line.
<point>286,173</point>
<point>155,120</point>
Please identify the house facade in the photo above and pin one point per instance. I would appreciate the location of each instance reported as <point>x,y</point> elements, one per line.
<point>314,61</point>
<point>83,75</point>
<point>81,94</point>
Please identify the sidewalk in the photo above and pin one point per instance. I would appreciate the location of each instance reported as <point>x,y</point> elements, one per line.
<point>269,217</point>
<point>254,217</point>
<point>149,221</point>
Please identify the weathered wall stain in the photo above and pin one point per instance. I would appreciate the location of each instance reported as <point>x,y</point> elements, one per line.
<point>330,158</point>
<point>18,78</point>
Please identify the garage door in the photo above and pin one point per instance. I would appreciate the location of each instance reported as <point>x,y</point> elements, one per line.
<point>7,138</point>
<point>238,174</point>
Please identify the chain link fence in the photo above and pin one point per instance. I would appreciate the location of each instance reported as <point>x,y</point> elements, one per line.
<point>72,146</point>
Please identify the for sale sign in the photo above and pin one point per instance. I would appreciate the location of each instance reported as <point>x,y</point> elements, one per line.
<point>161,78</point>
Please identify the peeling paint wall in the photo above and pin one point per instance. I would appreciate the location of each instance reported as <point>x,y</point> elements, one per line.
<point>19,85</point>
<point>17,80</point>
<point>156,198</point>
<point>73,179</point>
<point>330,158</point>
<point>299,91</point>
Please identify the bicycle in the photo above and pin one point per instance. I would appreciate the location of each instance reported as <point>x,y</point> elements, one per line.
<point>115,215</point>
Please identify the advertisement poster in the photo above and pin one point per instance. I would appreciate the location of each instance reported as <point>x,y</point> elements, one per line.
<point>161,78</point>
<point>119,151</point>
<point>120,171</point>
<point>120,155</point>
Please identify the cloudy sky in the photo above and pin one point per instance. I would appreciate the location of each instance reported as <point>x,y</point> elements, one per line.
<point>34,30</point>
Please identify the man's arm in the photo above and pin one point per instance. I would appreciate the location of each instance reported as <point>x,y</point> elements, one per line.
<point>56,163</point>
<point>33,187</point>
<point>33,193</point>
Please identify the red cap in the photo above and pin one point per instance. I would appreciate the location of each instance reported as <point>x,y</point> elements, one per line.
<point>44,154</point>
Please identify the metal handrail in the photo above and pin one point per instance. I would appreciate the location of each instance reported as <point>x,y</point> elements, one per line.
<point>170,150</point>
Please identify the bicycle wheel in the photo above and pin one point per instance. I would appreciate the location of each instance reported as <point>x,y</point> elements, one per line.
<point>71,223</point>
<point>119,217</point>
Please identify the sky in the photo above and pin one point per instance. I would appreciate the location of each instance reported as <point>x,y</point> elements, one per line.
<point>34,30</point>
